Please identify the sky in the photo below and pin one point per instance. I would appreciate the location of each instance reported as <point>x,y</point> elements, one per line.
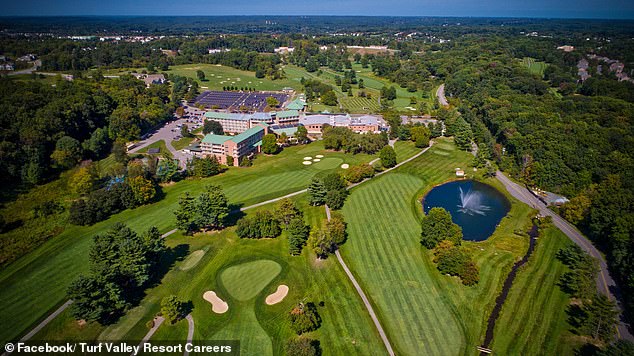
<point>610,9</point>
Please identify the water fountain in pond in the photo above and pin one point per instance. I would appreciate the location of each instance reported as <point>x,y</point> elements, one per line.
<point>471,203</point>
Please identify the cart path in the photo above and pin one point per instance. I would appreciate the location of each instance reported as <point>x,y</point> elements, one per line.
<point>190,331</point>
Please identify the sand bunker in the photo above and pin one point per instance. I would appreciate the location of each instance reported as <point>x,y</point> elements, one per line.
<point>278,296</point>
<point>307,158</point>
<point>319,156</point>
<point>307,163</point>
<point>345,166</point>
<point>316,159</point>
<point>218,305</point>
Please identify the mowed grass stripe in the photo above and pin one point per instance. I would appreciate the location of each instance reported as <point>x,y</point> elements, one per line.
<point>406,310</point>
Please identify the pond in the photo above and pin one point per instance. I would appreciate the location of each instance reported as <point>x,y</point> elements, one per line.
<point>476,207</point>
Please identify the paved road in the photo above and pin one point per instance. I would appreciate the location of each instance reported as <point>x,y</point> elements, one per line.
<point>605,283</point>
<point>190,331</point>
<point>440,93</point>
<point>36,64</point>
<point>166,134</point>
<point>364,298</point>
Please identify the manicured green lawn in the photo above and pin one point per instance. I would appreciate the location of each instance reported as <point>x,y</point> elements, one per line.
<point>182,143</point>
<point>246,280</point>
<point>533,320</point>
<point>44,274</point>
<point>405,150</point>
<point>423,311</point>
<point>158,144</point>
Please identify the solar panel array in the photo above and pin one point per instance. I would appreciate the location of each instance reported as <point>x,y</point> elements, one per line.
<point>255,101</point>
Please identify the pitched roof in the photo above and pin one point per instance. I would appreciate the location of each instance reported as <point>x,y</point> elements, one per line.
<point>296,104</point>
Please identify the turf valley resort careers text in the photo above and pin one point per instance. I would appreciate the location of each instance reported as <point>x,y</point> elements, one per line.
<point>117,348</point>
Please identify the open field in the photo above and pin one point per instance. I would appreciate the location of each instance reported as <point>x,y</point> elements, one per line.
<point>534,320</point>
<point>422,310</point>
<point>58,261</point>
<point>533,66</point>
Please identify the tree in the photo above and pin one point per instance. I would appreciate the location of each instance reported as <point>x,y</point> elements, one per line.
<point>213,127</point>
<point>143,189</point>
<point>272,102</point>
<point>121,263</point>
<point>302,346</point>
<point>577,209</point>
<point>186,214</point>
<point>286,211</point>
<point>336,228</point>
<point>212,208</point>
<point>601,318</point>
<point>180,111</point>
<point>98,143</point>
<point>463,134</point>
<point>317,192</point>
<point>302,134</point>
<point>82,181</point>
<point>95,300</point>
<point>185,131</point>
<point>388,156</point>
<point>336,198</point>
<point>329,98</point>
<point>437,226</point>
<point>200,75</point>
<point>420,135</point>
<point>304,318</point>
<point>172,309</point>
<point>269,144</point>
<point>261,225</point>
<point>205,167</point>
<point>67,152</point>
<point>298,233</point>
<point>167,170</point>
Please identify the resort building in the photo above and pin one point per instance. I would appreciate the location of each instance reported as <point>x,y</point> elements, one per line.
<point>363,124</point>
<point>238,122</point>
<point>237,147</point>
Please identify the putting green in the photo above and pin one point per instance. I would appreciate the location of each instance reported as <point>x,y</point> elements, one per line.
<point>192,260</point>
<point>328,163</point>
<point>246,280</point>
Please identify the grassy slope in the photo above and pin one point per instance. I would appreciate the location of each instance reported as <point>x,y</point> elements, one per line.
<point>422,310</point>
<point>404,150</point>
<point>44,274</point>
<point>534,320</point>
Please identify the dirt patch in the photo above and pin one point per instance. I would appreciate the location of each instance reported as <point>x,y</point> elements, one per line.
<point>278,296</point>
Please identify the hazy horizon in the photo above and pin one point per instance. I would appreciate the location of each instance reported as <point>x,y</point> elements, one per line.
<point>543,9</point>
